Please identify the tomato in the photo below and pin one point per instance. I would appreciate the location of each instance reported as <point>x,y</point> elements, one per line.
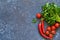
<point>51,35</point>
<point>38,15</point>
<point>49,28</point>
<point>53,32</point>
<point>56,25</point>
<point>47,33</point>
<point>53,27</point>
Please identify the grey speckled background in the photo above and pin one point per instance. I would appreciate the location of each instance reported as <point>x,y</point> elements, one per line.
<point>16,19</point>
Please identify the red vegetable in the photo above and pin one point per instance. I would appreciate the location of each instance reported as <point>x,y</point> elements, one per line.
<point>47,32</point>
<point>38,15</point>
<point>49,28</point>
<point>51,36</point>
<point>41,31</point>
<point>53,27</point>
<point>42,24</point>
<point>56,25</point>
<point>53,32</point>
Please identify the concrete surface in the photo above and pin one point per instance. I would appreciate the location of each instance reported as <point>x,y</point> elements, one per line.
<point>16,19</point>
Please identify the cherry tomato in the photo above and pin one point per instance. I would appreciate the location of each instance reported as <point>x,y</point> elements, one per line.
<point>56,25</point>
<point>51,35</point>
<point>38,15</point>
<point>47,33</point>
<point>49,28</point>
<point>53,32</point>
<point>53,27</point>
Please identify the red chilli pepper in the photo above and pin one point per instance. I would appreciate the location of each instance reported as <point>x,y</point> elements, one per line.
<point>41,31</point>
<point>42,24</point>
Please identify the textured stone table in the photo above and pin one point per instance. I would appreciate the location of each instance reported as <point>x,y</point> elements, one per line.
<point>16,19</point>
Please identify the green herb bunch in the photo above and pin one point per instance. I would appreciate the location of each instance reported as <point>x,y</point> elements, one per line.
<point>51,13</point>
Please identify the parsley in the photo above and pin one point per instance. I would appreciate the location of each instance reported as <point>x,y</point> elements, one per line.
<point>51,13</point>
